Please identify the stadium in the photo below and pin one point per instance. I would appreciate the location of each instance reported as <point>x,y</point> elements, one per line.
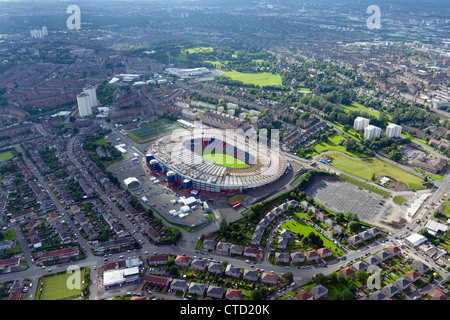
<point>214,160</point>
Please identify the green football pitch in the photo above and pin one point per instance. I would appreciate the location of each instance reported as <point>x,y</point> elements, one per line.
<point>225,160</point>
<point>153,130</point>
<point>56,288</point>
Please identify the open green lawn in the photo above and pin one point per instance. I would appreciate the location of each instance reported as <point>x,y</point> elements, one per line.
<point>356,106</point>
<point>225,160</point>
<point>199,49</point>
<point>304,90</point>
<point>101,142</point>
<point>333,144</point>
<point>304,228</point>
<point>366,168</point>
<point>351,132</point>
<point>7,155</point>
<point>55,288</point>
<point>258,78</point>
<point>153,130</point>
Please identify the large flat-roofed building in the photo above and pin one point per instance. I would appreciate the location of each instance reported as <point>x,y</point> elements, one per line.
<point>372,132</point>
<point>393,130</point>
<point>360,123</point>
<point>415,240</point>
<point>120,277</point>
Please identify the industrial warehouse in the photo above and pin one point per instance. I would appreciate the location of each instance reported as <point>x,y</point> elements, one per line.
<point>215,160</point>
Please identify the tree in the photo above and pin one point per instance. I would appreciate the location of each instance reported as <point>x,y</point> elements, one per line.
<point>395,155</point>
<point>288,276</point>
<point>348,295</point>
<point>223,226</point>
<point>256,294</point>
<point>352,225</point>
<point>319,278</point>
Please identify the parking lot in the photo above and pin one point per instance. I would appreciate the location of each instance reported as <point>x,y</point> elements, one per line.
<point>345,197</point>
<point>411,154</point>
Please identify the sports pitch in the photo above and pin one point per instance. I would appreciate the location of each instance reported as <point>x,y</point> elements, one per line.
<point>225,160</point>
<point>152,130</point>
<point>258,78</point>
<point>55,288</point>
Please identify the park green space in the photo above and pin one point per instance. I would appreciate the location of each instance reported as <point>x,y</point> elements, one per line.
<point>55,287</point>
<point>7,155</point>
<point>407,135</point>
<point>225,160</point>
<point>367,168</point>
<point>303,228</point>
<point>333,144</point>
<point>199,49</point>
<point>350,132</point>
<point>153,130</point>
<point>356,106</point>
<point>257,78</point>
<point>304,90</point>
<point>101,142</point>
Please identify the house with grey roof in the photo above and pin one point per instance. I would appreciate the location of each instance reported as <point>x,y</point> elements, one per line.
<point>197,288</point>
<point>236,249</point>
<point>390,290</point>
<point>215,268</point>
<point>198,264</point>
<point>214,292</point>
<point>360,266</point>
<point>402,283</point>
<point>382,255</point>
<point>231,271</point>
<point>372,260</point>
<point>297,257</point>
<point>420,266</point>
<point>179,285</point>
<point>282,257</point>
<point>251,275</point>
<point>319,291</point>
<point>282,243</point>
<point>223,247</point>
<point>377,295</point>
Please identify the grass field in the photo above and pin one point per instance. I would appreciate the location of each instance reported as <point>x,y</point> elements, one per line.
<point>356,106</point>
<point>351,132</point>
<point>225,160</point>
<point>332,144</point>
<point>55,288</point>
<point>199,49</point>
<point>303,228</point>
<point>258,79</point>
<point>153,130</point>
<point>7,155</point>
<point>366,169</point>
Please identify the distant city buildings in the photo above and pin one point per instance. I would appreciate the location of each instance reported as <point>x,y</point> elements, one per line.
<point>372,132</point>
<point>39,33</point>
<point>393,130</point>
